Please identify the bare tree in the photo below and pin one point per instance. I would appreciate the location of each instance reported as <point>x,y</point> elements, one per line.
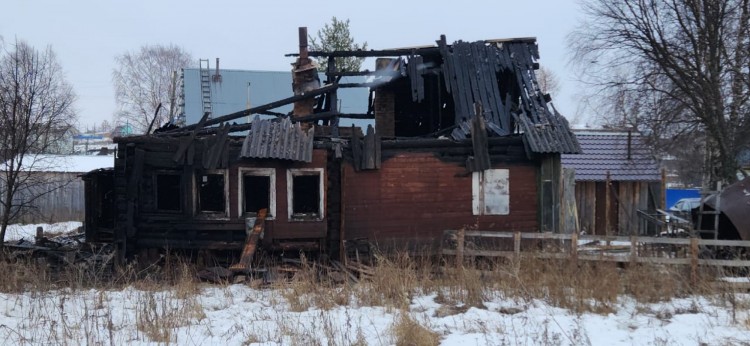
<point>35,114</point>
<point>334,37</point>
<point>548,81</point>
<point>143,80</point>
<point>673,68</point>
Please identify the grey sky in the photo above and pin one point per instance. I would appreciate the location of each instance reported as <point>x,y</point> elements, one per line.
<point>86,35</point>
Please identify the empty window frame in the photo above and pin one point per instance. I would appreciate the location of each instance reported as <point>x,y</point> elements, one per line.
<point>257,191</point>
<point>305,193</point>
<point>168,191</point>
<point>490,192</point>
<point>211,189</point>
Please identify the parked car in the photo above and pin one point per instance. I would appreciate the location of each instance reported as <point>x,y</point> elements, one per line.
<point>684,207</point>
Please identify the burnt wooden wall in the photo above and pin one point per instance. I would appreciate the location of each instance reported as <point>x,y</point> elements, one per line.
<point>626,197</point>
<point>415,196</point>
<point>188,228</point>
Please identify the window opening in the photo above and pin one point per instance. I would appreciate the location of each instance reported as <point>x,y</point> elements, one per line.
<point>257,192</point>
<point>491,192</point>
<point>305,195</point>
<point>211,193</point>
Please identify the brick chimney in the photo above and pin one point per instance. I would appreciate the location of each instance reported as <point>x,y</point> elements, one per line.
<point>304,78</point>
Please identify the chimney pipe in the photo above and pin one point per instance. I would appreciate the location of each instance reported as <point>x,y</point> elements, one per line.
<point>303,42</point>
<point>630,144</point>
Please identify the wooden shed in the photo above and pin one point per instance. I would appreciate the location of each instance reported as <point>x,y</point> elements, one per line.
<point>616,176</point>
<point>462,138</point>
<point>49,187</point>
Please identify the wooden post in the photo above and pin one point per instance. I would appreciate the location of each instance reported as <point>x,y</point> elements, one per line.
<point>717,213</point>
<point>574,248</point>
<point>607,204</point>
<point>517,249</point>
<point>342,216</point>
<point>568,206</point>
<point>39,234</point>
<point>633,250</point>
<point>663,199</point>
<point>460,247</point>
<point>693,261</point>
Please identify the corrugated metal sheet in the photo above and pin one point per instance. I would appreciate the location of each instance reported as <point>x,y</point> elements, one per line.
<point>473,73</point>
<point>231,94</point>
<point>734,202</point>
<point>608,151</point>
<point>552,136</point>
<point>278,139</point>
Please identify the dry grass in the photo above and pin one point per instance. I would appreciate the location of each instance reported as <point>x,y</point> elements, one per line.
<point>166,295</point>
<point>408,332</point>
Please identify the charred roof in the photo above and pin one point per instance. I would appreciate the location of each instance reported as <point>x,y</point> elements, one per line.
<point>432,91</point>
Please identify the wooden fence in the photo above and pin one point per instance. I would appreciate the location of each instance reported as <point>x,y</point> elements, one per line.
<point>62,198</point>
<point>633,249</point>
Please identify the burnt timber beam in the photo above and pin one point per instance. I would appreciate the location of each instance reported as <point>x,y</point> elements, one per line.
<point>429,50</point>
<point>372,53</point>
<point>446,143</point>
<point>254,110</point>
<point>329,115</point>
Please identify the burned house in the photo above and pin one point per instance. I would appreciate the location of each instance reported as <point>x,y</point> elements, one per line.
<point>462,138</point>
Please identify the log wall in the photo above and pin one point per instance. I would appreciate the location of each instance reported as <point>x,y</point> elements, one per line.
<point>189,228</point>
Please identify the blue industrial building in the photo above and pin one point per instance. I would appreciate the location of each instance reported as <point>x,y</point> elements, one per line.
<point>230,91</point>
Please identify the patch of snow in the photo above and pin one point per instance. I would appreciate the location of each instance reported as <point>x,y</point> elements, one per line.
<point>28,232</point>
<point>237,314</point>
<point>65,163</point>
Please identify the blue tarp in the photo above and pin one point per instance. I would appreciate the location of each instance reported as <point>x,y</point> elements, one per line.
<point>674,195</point>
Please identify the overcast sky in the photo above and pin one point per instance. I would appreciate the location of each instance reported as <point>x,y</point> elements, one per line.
<point>255,35</point>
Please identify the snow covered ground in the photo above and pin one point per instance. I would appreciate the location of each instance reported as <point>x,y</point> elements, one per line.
<point>240,315</point>
<point>27,232</point>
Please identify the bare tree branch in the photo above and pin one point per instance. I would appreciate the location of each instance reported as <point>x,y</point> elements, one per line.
<point>674,67</point>
<point>143,79</point>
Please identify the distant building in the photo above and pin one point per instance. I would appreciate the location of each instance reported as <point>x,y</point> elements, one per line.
<point>236,90</point>
<point>58,178</point>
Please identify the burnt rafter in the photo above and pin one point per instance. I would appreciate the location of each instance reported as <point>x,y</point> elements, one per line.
<point>496,75</point>
<point>258,109</point>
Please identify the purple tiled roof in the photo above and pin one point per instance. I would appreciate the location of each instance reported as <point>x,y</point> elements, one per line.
<point>608,151</point>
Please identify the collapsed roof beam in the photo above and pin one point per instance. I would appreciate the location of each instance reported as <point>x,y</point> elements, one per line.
<point>259,109</point>
<point>373,53</point>
<point>423,50</point>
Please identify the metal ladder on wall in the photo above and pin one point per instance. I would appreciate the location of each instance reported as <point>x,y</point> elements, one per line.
<point>205,86</point>
<point>714,232</point>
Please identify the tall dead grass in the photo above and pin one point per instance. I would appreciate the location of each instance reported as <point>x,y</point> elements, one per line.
<point>166,294</point>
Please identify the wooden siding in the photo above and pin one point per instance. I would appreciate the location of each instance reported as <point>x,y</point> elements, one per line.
<point>64,202</point>
<point>416,196</point>
<point>626,198</point>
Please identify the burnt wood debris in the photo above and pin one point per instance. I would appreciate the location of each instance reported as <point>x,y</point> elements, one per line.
<point>462,136</point>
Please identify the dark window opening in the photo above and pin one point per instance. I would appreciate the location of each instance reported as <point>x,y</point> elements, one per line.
<point>306,195</point>
<point>257,192</point>
<point>168,192</point>
<point>211,193</point>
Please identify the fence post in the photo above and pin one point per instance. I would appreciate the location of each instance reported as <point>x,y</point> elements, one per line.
<point>574,247</point>
<point>633,249</point>
<point>460,247</point>
<point>517,248</point>
<point>694,260</point>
